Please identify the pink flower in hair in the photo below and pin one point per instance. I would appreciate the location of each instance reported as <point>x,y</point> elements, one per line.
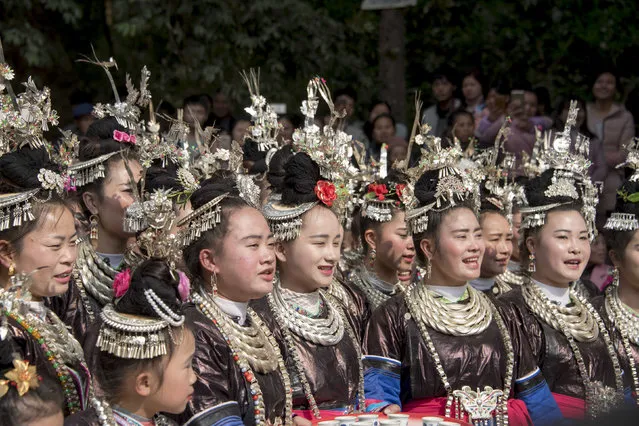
<point>184,288</point>
<point>121,283</point>
<point>124,137</point>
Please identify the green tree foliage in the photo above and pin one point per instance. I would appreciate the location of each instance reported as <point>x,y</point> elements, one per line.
<point>194,46</point>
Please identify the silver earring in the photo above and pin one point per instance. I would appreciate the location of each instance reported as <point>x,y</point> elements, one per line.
<point>214,284</point>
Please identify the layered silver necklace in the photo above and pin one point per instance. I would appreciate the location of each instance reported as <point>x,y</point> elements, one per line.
<point>626,321</point>
<point>321,331</point>
<point>250,340</point>
<point>579,323</point>
<point>96,277</point>
<point>376,290</point>
<point>463,319</point>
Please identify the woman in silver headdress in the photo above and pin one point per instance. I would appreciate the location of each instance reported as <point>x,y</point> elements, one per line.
<point>567,336</point>
<point>443,328</point>
<point>619,307</point>
<point>104,181</point>
<point>228,250</point>
<point>388,248</point>
<point>37,254</point>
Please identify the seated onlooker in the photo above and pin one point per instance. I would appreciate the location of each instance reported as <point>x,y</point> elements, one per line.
<point>495,114</point>
<point>598,271</point>
<point>436,116</point>
<point>345,101</point>
<point>615,127</point>
<point>383,107</point>
<point>598,169</point>
<point>383,133</point>
<point>220,115</point>
<point>473,91</point>
<point>288,125</point>
<point>195,113</point>
<point>240,129</point>
<point>522,135</point>
<point>461,127</point>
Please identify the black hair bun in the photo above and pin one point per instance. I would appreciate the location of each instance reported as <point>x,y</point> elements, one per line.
<point>251,151</point>
<point>162,177</point>
<point>535,191</point>
<point>19,169</point>
<point>301,174</point>
<point>99,139</point>
<point>104,128</point>
<point>426,187</point>
<point>153,274</point>
<point>276,172</point>
<point>221,182</point>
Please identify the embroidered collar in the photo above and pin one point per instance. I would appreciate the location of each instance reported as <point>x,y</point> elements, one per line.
<point>451,293</point>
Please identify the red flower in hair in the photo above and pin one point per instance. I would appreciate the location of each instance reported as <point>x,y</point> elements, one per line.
<point>325,191</point>
<point>121,283</point>
<point>399,189</point>
<point>380,190</point>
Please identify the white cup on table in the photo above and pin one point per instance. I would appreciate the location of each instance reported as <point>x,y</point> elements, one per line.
<point>373,418</point>
<point>432,421</point>
<point>402,418</point>
<point>345,420</point>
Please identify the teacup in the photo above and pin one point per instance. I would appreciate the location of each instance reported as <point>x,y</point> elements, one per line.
<point>345,420</point>
<point>373,418</point>
<point>432,421</point>
<point>402,418</point>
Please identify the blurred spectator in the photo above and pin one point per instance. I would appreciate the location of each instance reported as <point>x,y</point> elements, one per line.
<point>522,129</point>
<point>461,125</point>
<point>220,113</point>
<point>383,133</point>
<point>444,86</point>
<point>345,101</point>
<point>82,109</point>
<point>615,127</point>
<point>289,123</point>
<point>473,91</point>
<point>195,111</point>
<point>598,168</point>
<point>239,130</point>
<point>383,107</point>
<point>598,271</point>
<point>164,109</point>
<point>496,106</point>
<point>397,152</point>
<point>544,104</point>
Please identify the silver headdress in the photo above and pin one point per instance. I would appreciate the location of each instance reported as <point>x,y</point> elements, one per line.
<point>453,185</point>
<point>285,221</point>
<point>201,220</point>
<point>132,337</point>
<point>570,178</point>
<point>23,118</point>
<point>86,172</point>
<point>625,218</point>
<point>265,127</point>
<point>381,199</point>
<point>498,190</point>
<point>23,121</point>
<point>126,112</point>
<point>331,150</point>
